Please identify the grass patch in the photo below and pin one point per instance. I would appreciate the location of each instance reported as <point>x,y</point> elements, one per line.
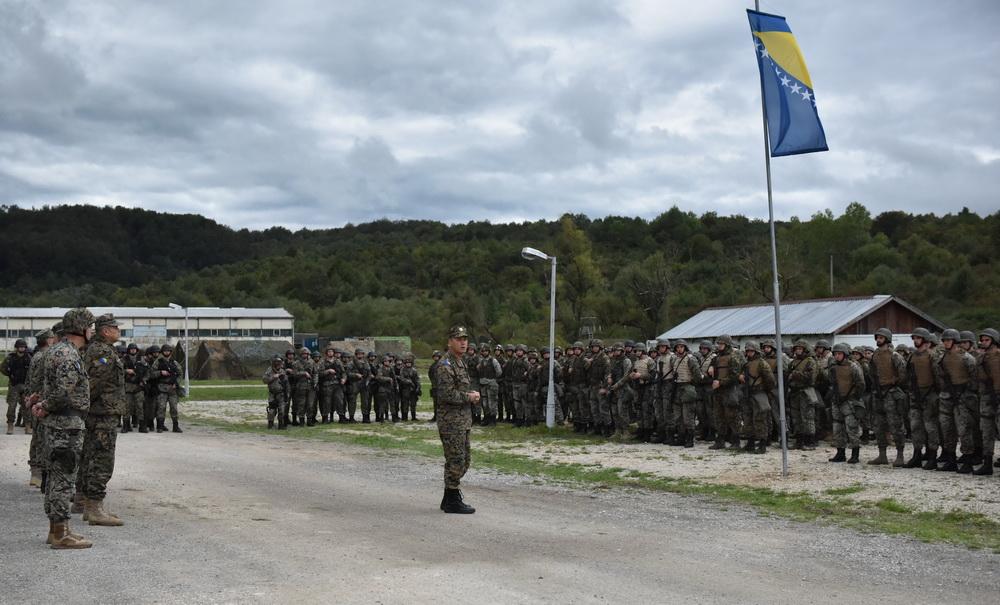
<point>229,393</point>
<point>887,516</point>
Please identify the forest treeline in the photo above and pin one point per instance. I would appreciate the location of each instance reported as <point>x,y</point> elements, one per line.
<point>622,277</point>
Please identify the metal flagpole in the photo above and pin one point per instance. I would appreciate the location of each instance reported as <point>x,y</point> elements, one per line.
<point>550,399</point>
<point>777,294</point>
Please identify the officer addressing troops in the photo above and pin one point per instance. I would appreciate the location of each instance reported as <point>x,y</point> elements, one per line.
<point>455,402</point>
<point>62,407</point>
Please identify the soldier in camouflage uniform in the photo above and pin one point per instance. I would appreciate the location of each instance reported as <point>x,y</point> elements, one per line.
<point>725,371</point>
<point>621,395</point>
<point>409,388</point>
<point>576,384</point>
<point>756,382</point>
<point>989,396</point>
<point>598,380</point>
<point>106,374</point>
<point>802,373</point>
<point>358,374</point>
<point>685,371</point>
<point>889,374</point>
<point>543,388</point>
<point>36,459</point>
<point>958,404</point>
<point>924,386</point>
<point>435,359</point>
<point>332,377</point>
<point>508,405</point>
<point>15,368</point>
<point>532,406</point>
<point>645,382</point>
<point>300,379</point>
<point>384,382</point>
<point>519,385</point>
<point>490,371</point>
<point>456,400</point>
<point>846,385</point>
<point>312,398</point>
<point>277,388</point>
<point>164,373</point>
<point>769,351</point>
<point>824,413</point>
<point>135,373</point>
<point>149,391</point>
<point>706,429</point>
<point>472,365</point>
<point>62,407</point>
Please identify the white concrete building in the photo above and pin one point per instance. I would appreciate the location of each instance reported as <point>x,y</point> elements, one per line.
<point>157,325</point>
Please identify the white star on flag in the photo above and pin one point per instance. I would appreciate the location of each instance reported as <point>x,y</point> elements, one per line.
<point>806,94</point>
<point>796,88</point>
<point>785,81</point>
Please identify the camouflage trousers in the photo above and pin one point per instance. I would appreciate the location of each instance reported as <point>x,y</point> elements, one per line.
<point>149,406</point>
<point>989,423</point>
<point>331,399</point>
<point>803,412</point>
<point>164,401</point>
<point>847,423</point>
<point>726,410</point>
<point>543,398</point>
<point>663,409</point>
<point>97,462</point>
<point>457,456</point>
<point>15,395</point>
<point>647,408</point>
<point>622,410</point>
<point>887,417</point>
<point>685,407</point>
<point>967,418</point>
<point>490,399</point>
<point>63,447</point>
<point>36,450</point>
<point>924,421</point>
<point>519,397</point>
<point>600,406</point>
<point>277,406</point>
<point>579,403</point>
<point>756,412</point>
<point>366,402</point>
<point>135,400</point>
<point>705,407</point>
<point>300,398</point>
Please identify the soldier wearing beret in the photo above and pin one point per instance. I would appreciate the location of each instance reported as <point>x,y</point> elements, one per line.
<point>455,402</point>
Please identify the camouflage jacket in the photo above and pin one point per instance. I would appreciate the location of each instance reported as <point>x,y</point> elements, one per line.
<point>338,376</point>
<point>385,379</point>
<point>36,371</point>
<point>107,379</point>
<point>543,375</point>
<point>66,388</point>
<point>857,380</point>
<point>736,362</point>
<point>276,380</point>
<point>409,380</point>
<point>621,367</point>
<point>599,370</point>
<point>765,380</point>
<point>454,405</point>
<point>164,384</point>
<point>139,367</point>
<point>15,367</point>
<point>518,370</point>
<point>357,370</point>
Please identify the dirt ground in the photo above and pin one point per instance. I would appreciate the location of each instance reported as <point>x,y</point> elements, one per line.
<point>809,471</point>
<point>221,517</point>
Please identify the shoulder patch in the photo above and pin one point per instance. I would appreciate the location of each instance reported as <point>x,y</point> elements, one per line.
<point>445,362</point>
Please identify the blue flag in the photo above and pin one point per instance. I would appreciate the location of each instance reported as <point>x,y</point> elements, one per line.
<point>789,103</point>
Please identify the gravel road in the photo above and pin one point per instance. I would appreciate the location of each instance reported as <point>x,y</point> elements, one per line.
<point>217,517</point>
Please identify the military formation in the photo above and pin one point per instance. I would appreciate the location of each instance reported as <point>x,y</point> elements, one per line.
<point>939,393</point>
<point>73,394</point>
<point>306,388</point>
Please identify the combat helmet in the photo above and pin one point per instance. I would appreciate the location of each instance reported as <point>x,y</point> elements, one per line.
<point>751,346</point>
<point>950,334</point>
<point>44,334</point>
<point>166,348</point>
<point>485,347</point>
<point>373,355</point>
<point>705,344</point>
<point>682,343</point>
<point>725,339</point>
<point>508,348</point>
<point>121,350</point>
<point>152,350</point>
<point>858,351</point>
<point>19,343</point>
<point>304,350</point>
<point>545,350</point>
<point>801,343</point>
<point>991,334</point>
<point>577,345</point>
<point>436,354</point>
<point>886,332</point>
<point>317,355</point>
<point>966,336</point>
<point>276,359</point>
<point>822,344</point>
<point>596,342</point>
<point>132,346</point>
<point>77,321</point>
<point>902,348</point>
<point>842,347</point>
<point>922,333</point>
<point>663,342</point>
<point>639,346</point>
<point>767,342</point>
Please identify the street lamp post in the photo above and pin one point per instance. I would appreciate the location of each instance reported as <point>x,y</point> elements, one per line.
<point>550,401</point>
<point>187,350</point>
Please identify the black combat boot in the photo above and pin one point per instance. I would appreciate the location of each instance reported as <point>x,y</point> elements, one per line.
<point>855,452</point>
<point>295,421</point>
<point>810,443</point>
<point>159,425</point>
<point>689,439</point>
<point>366,419</point>
<point>881,458</point>
<point>142,427</point>
<point>899,461</point>
<point>735,444</point>
<point>677,440</point>
<point>947,462</point>
<point>126,425</point>
<point>749,446</point>
<point>270,423</point>
<point>916,460</point>
<point>761,447</point>
<point>930,459</point>
<point>966,467</point>
<point>986,468</point>
<point>177,427</point>
<point>718,445</point>
<point>452,503</point>
<point>840,456</point>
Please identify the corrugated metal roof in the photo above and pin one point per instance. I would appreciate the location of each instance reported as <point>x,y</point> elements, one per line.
<point>825,316</point>
<point>151,312</point>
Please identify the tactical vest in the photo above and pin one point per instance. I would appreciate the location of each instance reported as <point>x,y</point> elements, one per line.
<point>991,367</point>
<point>922,369</point>
<point>843,375</point>
<point>954,366</point>
<point>773,362</point>
<point>487,369</point>
<point>723,367</point>
<point>886,370</point>
<point>682,371</point>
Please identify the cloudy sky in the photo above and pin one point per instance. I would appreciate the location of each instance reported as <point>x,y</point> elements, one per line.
<point>317,113</point>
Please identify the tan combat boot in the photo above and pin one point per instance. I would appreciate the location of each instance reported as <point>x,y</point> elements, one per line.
<point>63,539</point>
<point>27,429</point>
<point>51,538</point>
<point>96,515</point>
<point>79,501</point>
<point>10,428</point>
<point>36,478</point>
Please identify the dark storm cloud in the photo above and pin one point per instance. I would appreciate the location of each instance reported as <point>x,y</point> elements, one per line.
<point>310,113</point>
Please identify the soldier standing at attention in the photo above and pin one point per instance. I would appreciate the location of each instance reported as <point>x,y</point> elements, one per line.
<point>455,419</point>
<point>277,386</point>
<point>802,373</point>
<point>519,385</point>
<point>598,380</point>
<point>706,430</point>
<point>164,372</point>
<point>621,391</point>
<point>331,375</point>
<point>847,383</point>
<point>301,382</point>
<point>106,374</point>
<point>577,382</point>
<point>135,372</point>
<point>62,407</point>
<point>489,372</point>
<point>357,376</point>
<point>725,371</point>
<point>757,381</point>
<point>989,406</point>
<point>15,368</point>
<point>409,388</point>
<point>149,388</point>
<point>889,373</point>
<point>312,400</point>
<point>686,374</point>
<point>36,459</point>
<point>959,402</point>
<point>385,389</point>
<point>924,387</point>
<point>435,360</point>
